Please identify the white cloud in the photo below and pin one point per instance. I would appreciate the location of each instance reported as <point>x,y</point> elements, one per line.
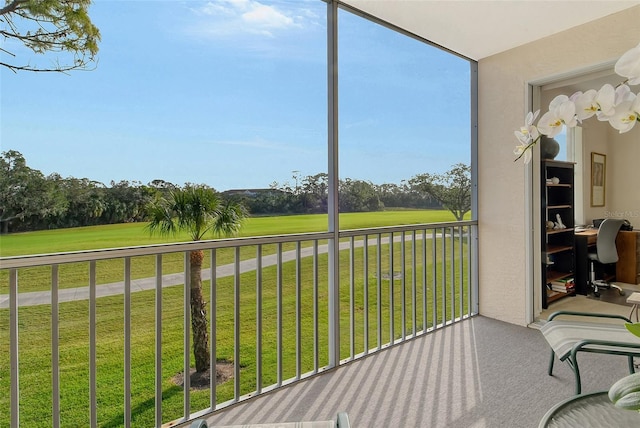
<point>224,18</point>
<point>267,17</point>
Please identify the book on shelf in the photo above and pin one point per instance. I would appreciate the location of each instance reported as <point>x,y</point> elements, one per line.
<point>562,285</point>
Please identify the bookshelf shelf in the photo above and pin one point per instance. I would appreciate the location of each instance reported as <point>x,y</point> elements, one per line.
<point>558,245</point>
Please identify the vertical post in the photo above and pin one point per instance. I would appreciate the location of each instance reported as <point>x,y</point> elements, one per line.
<point>473,230</point>
<point>352,297</point>
<point>158,360</point>
<point>259,318</point>
<point>93,342</point>
<point>279,314</point>
<point>434,278</point>
<point>13,344</point>
<point>55,348</point>
<point>414,278</point>
<point>470,269</point>
<point>236,326</point>
<point>379,289</point>
<point>365,275</point>
<point>425,323</point>
<point>127,342</point>
<point>453,274</point>
<point>392,304</point>
<point>443,289</point>
<point>298,310</point>
<point>461,232</point>
<point>332,142</point>
<point>403,282</point>
<point>213,333</point>
<point>186,363</point>
<point>316,346</point>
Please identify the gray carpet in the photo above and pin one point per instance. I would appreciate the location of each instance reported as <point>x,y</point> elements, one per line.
<point>477,373</point>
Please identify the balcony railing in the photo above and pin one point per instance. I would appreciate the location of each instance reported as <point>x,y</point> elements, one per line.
<point>103,338</point>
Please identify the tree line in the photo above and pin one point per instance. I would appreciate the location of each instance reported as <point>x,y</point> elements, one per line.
<point>30,201</point>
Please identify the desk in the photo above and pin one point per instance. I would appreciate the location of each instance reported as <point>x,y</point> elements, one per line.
<point>628,266</point>
<point>634,299</point>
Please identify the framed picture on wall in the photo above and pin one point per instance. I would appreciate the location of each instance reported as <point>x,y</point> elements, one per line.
<point>598,179</point>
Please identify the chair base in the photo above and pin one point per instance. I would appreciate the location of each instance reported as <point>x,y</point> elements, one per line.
<point>598,284</point>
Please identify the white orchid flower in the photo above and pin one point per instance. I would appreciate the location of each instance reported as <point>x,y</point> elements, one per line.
<point>586,104</point>
<point>527,136</point>
<point>619,106</point>
<point>562,112</point>
<point>528,133</point>
<point>602,104</point>
<point>621,95</point>
<point>629,65</point>
<point>626,115</point>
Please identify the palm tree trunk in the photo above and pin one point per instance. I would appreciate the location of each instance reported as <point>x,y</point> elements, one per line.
<point>198,313</point>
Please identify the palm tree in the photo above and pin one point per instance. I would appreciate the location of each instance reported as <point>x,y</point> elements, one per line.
<point>198,211</point>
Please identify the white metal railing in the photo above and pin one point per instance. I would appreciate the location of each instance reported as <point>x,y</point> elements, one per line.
<point>268,312</point>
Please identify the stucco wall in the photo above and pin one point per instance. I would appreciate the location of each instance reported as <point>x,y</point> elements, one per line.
<point>502,183</point>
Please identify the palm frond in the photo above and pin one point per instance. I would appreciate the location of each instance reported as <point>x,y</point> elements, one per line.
<point>229,219</point>
<point>197,211</point>
<point>161,218</point>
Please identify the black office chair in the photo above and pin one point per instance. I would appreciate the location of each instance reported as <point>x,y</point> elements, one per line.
<point>606,253</point>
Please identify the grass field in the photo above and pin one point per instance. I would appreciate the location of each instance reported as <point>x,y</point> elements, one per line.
<point>35,322</point>
<point>133,234</point>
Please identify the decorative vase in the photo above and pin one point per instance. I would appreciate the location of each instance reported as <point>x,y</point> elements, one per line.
<point>549,147</point>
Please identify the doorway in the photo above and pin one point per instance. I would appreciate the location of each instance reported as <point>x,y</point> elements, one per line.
<point>576,146</point>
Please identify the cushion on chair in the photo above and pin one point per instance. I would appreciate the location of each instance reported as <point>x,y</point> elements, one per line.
<point>563,335</point>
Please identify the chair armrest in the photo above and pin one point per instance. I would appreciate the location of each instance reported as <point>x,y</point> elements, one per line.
<point>631,348</point>
<point>587,314</point>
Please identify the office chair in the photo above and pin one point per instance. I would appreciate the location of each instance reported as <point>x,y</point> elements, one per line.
<point>606,253</point>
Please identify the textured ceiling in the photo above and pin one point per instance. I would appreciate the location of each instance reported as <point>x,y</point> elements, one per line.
<point>481,28</point>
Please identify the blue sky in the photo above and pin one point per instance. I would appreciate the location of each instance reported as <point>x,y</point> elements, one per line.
<point>232,93</point>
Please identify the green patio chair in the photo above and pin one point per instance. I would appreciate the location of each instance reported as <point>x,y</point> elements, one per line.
<point>569,337</point>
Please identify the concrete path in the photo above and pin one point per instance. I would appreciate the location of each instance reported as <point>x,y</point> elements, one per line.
<point>169,280</point>
<point>115,288</point>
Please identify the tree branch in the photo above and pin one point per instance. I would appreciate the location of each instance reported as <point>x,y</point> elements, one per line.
<point>59,26</point>
<point>12,7</point>
<point>15,68</point>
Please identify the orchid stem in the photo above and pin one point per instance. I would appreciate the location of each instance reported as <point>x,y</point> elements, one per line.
<point>526,148</point>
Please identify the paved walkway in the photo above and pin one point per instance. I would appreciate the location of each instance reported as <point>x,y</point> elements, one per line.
<point>115,288</point>
<point>169,280</point>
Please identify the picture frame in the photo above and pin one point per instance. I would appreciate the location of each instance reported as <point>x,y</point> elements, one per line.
<point>598,179</point>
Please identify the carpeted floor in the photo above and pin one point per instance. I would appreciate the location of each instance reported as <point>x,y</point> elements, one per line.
<point>478,373</point>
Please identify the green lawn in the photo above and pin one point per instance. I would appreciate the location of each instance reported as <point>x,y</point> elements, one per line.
<point>35,322</point>
<point>132,234</point>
